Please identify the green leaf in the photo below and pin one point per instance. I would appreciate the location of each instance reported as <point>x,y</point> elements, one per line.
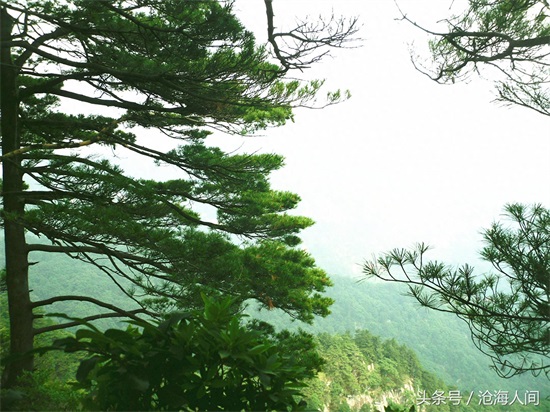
<point>138,384</point>
<point>85,367</point>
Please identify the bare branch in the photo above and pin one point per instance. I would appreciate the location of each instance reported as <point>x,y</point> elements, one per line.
<point>308,42</point>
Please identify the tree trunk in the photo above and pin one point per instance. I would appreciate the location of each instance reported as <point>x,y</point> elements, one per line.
<point>19,303</point>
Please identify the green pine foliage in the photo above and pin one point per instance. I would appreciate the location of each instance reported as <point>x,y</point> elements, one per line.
<point>441,342</point>
<point>510,36</point>
<point>507,309</point>
<point>157,79</point>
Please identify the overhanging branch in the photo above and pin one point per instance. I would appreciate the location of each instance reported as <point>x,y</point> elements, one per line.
<point>130,314</point>
<point>65,145</point>
<point>97,249</point>
<point>115,311</point>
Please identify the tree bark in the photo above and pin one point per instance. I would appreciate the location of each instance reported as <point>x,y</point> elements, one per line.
<point>19,303</point>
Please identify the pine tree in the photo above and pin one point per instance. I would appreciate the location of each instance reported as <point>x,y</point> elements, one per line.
<point>176,70</point>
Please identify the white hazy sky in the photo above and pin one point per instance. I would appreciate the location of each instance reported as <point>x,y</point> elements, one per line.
<point>405,160</point>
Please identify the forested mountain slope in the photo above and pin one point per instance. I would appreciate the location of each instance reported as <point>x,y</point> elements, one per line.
<point>441,341</point>
<point>365,373</point>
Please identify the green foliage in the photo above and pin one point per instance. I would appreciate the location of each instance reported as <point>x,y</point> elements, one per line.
<point>43,390</point>
<point>366,368</point>
<point>363,371</point>
<point>198,67</point>
<point>508,313</point>
<point>441,341</point>
<point>438,341</point>
<point>47,388</point>
<point>205,360</point>
<point>509,35</point>
<point>170,74</point>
